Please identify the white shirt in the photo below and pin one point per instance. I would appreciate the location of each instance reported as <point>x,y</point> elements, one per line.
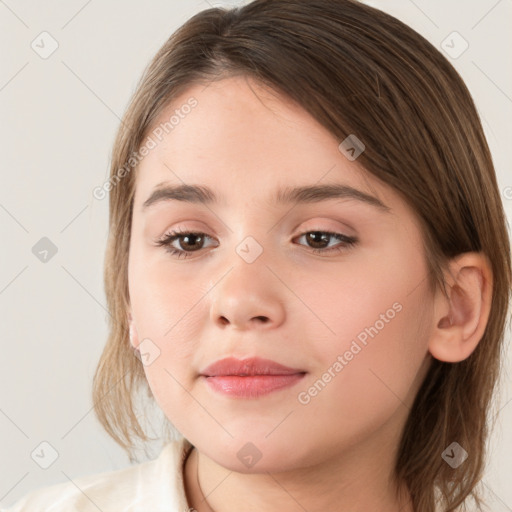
<point>153,486</point>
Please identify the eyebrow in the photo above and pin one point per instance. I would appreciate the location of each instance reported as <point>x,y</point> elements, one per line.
<point>200,194</point>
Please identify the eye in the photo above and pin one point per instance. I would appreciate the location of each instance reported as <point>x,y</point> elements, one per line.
<point>193,241</point>
<point>320,238</point>
<point>190,241</point>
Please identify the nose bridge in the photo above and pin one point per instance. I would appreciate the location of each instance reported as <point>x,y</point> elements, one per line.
<point>249,294</point>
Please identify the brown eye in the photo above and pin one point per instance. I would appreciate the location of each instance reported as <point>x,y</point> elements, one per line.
<point>188,242</point>
<point>319,241</point>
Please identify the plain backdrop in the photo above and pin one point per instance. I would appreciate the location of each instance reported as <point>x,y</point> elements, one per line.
<point>59,114</point>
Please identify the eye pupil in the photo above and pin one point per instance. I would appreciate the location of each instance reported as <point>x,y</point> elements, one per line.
<point>187,238</point>
<point>317,237</point>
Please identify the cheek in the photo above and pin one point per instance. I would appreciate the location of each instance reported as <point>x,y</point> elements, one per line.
<point>370,331</point>
<point>357,300</point>
<point>169,375</point>
<point>167,311</point>
<point>163,297</point>
<point>374,382</point>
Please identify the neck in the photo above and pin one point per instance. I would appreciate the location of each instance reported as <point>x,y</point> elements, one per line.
<point>352,486</point>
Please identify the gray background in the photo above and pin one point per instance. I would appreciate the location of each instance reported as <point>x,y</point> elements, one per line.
<point>59,116</point>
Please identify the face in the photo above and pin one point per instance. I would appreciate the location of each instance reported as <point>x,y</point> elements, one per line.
<point>333,287</point>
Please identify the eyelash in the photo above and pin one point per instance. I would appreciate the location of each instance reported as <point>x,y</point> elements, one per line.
<point>347,242</point>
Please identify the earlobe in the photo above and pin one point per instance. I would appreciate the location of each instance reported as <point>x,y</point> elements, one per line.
<point>134,341</point>
<point>461,318</point>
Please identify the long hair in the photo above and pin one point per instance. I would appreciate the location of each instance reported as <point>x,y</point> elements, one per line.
<point>356,70</point>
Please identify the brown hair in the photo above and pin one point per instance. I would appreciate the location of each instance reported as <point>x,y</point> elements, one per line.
<point>356,70</point>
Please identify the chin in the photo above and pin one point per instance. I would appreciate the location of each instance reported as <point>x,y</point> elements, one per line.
<point>261,455</point>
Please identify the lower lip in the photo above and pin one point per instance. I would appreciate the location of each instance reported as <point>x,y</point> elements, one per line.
<point>251,386</point>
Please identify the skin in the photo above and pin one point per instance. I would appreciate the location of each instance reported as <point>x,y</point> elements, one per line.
<point>245,142</point>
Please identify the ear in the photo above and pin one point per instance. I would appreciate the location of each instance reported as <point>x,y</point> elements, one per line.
<point>134,337</point>
<point>461,318</point>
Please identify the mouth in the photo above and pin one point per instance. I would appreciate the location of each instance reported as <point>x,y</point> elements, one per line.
<point>249,378</point>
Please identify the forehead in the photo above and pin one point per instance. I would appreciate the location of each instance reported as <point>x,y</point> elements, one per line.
<point>236,135</point>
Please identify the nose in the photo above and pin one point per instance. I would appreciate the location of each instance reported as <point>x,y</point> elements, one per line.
<point>248,297</point>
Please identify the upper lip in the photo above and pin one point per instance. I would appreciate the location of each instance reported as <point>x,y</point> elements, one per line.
<point>245,367</point>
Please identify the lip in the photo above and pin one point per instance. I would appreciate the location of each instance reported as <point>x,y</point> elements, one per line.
<point>247,367</point>
<point>249,378</point>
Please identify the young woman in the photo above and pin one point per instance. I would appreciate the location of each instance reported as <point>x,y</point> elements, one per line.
<point>308,270</point>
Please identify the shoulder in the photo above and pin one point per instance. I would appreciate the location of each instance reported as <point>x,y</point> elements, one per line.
<point>155,485</point>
